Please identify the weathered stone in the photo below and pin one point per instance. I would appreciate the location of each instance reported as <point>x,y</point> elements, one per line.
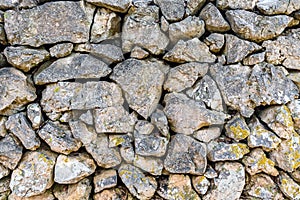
<point>65,96</point>
<point>3,40</point>
<point>16,91</point>
<point>177,187</point>
<point>178,104</point>
<point>10,151</point>
<point>254,59</point>
<point>294,107</point>
<point>141,186</point>
<point>105,179</point>
<point>236,128</point>
<point>3,130</point>
<point>173,10</point>
<point>215,41</point>
<point>214,20</point>
<point>25,58</point>
<point>34,174</point>
<point>186,155</point>
<point>141,29</point>
<point>258,28</point>
<point>73,168</point>
<point>230,182</point>
<point>236,4</point>
<point>4,188</point>
<point>118,193</point>
<point>20,127</point>
<point>261,137</point>
<point>278,6</point>
<point>144,127</point>
<point>207,134</point>
<point>78,191</point>
<point>127,153</point>
<point>190,51</point>
<point>120,139</point>
<point>141,82</point>
<point>186,29</point>
<point>107,25</point>
<point>87,117</point>
<point>138,53</point>
<point>149,164</point>
<point>184,76</point>
<point>206,90</point>
<point>288,186</point>
<point>4,171</point>
<point>220,151</point>
<point>45,196</point>
<point>70,22</point>
<point>296,175</point>
<point>34,114</point>
<point>237,49</point>
<point>295,77</point>
<point>257,162</point>
<point>118,6</point>
<point>159,119</point>
<point>164,24</point>
<point>3,61</point>
<point>193,6</point>
<point>201,184</point>
<point>74,66</point>
<point>61,50</point>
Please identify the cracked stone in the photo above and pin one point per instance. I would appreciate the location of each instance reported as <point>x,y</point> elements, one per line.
<point>61,50</point>
<point>215,41</point>
<point>236,4</point>
<point>277,7</point>
<point>149,164</point>
<point>10,151</point>
<point>288,186</point>
<point>237,129</point>
<point>207,134</point>
<point>105,179</point>
<point>118,6</point>
<point>193,6</point>
<point>201,184</point>
<point>173,10</point>
<point>159,119</point>
<point>254,59</point>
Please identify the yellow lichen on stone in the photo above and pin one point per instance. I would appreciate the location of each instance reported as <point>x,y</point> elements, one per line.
<point>239,150</point>
<point>239,132</point>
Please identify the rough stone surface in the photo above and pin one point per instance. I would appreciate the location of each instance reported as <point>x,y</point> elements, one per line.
<point>10,151</point>
<point>288,186</point>
<point>3,171</point>
<point>201,184</point>
<point>193,6</point>
<point>237,129</point>
<point>34,114</point>
<point>61,50</point>
<point>172,10</point>
<point>236,4</point>
<point>118,6</point>
<point>139,53</point>
<point>215,41</point>
<point>119,193</point>
<point>294,107</point>
<point>278,6</point>
<point>207,134</point>
<point>254,59</point>
<point>105,179</point>
<point>45,196</point>
<point>149,164</point>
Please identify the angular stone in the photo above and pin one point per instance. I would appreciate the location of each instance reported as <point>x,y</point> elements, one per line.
<point>257,162</point>
<point>206,90</point>
<point>277,7</point>
<point>20,127</point>
<point>141,186</point>
<point>258,28</point>
<point>193,6</point>
<point>73,168</point>
<point>190,51</point>
<point>236,4</point>
<point>141,29</point>
<point>294,107</point>
<point>34,174</point>
<point>201,184</point>
<point>120,139</point>
<point>164,24</point>
<point>159,119</point>
<point>70,22</point>
<point>230,182</point>
<point>207,134</point>
<point>61,50</point>
<point>15,91</point>
<point>10,151</point>
<point>87,118</point>
<point>220,151</point>
<point>3,171</point>
<point>186,155</point>
<point>25,58</point>
<point>45,196</point>
<point>237,129</point>
<point>288,186</point>
<point>141,82</point>
<point>34,114</point>
<point>237,49</point>
<point>296,175</point>
<point>65,96</point>
<point>127,153</point>
<point>138,53</point>
<point>144,127</point>
<point>173,10</point>
<point>254,59</point>
<point>105,179</point>
<point>186,29</point>
<point>184,76</point>
<point>151,165</point>
<point>215,41</point>
<point>213,18</point>
<point>118,193</point>
<point>3,130</point>
<point>178,104</point>
<point>4,188</point>
<point>78,191</point>
<point>177,187</point>
<point>107,25</point>
<point>3,40</point>
<point>72,67</point>
<point>295,77</point>
<point>118,6</point>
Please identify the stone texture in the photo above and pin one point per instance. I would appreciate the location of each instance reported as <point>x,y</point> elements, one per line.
<point>193,6</point>
<point>138,53</point>
<point>118,6</point>
<point>119,193</point>
<point>10,151</point>
<point>237,129</point>
<point>215,41</point>
<point>149,164</point>
<point>236,4</point>
<point>258,28</point>
<point>207,134</point>
<point>201,184</point>
<point>45,196</point>
<point>34,114</point>
<point>105,179</point>
<point>74,66</point>
<point>25,58</point>
<point>3,130</point>
<point>70,22</point>
<point>294,107</point>
<point>173,10</point>
<point>73,168</point>
<point>278,6</point>
<point>61,50</point>
<point>288,186</point>
<point>159,119</point>
<point>3,171</point>
<point>254,59</point>
<point>33,175</point>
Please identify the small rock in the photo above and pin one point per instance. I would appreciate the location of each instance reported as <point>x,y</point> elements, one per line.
<point>149,164</point>
<point>193,6</point>
<point>294,107</point>
<point>164,24</point>
<point>215,41</point>
<point>201,184</point>
<point>173,10</point>
<point>3,130</point>
<point>107,25</point>
<point>4,188</point>
<point>258,28</point>
<point>141,186</point>
<point>296,175</point>
<point>237,49</point>
<point>120,139</point>
<point>118,6</point>
<point>190,51</point>
<point>189,28</point>
<point>3,171</point>
<point>184,76</point>
<point>236,4</point>
<point>210,172</point>
<point>73,168</point>
<point>10,151</point>
<point>220,151</point>
<point>230,182</point>
<point>25,58</point>
<point>295,77</point>
<point>138,53</point>
<point>3,61</point>
<point>207,134</point>
<point>35,170</point>
<point>237,129</point>
<point>288,186</point>
<point>78,191</point>
<point>254,59</point>
<point>127,153</point>
<point>277,7</point>
<point>3,40</point>
<point>34,114</point>
<point>20,127</point>
<point>144,127</point>
<point>213,18</point>
<point>45,196</point>
<point>118,193</point>
<point>87,118</point>
<point>257,162</point>
<point>159,119</point>
<point>105,179</point>
<point>61,50</point>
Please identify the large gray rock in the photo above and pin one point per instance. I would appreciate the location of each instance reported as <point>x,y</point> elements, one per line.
<point>141,82</point>
<point>236,4</point>
<point>70,22</point>
<point>258,28</point>
<point>193,6</point>
<point>277,6</point>
<point>173,10</point>
<point>34,174</point>
<point>118,6</point>
<point>10,151</point>
<point>15,91</point>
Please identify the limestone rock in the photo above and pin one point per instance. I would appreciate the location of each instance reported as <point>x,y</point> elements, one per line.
<point>25,58</point>
<point>215,41</point>
<point>190,51</point>
<point>34,174</point>
<point>4,188</point>
<point>3,171</point>
<point>207,134</point>
<point>254,59</point>
<point>118,193</point>
<point>61,50</point>
<point>3,130</point>
<point>118,6</point>
<point>173,10</point>
<point>186,155</point>
<point>45,196</point>
<point>193,6</point>
<point>120,139</point>
<point>127,153</point>
<point>34,114</point>
<point>159,119</point>
<point>70,22</point>
<point>87,118</point>
<point>294,107</point>
<point>236,4</point>
<point>3,40</point>
<point>288,186</point>
<point>201,184</point>
<point>278,6</point>
<point>16,91</point>
<point>72,67</point>
<point>73,168</point>
<point>149,164</point>
<point>258,28</point>
<point>237,129</point>
<point>138,53</point>
<point>164,24</point>
<point>105,179</point>
<point>10,151</point>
